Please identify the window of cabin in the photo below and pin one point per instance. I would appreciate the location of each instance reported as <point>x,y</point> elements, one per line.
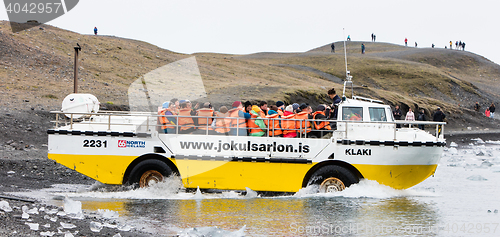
<point>377,114</point>
<point>352,113</point>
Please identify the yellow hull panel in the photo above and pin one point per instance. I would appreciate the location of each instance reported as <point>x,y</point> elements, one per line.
<point>397,176</point>
<point>106,169</point>
<point>238,175</point>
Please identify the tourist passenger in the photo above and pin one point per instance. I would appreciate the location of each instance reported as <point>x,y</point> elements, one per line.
<point>281,107</point>
<point>222,122</point>
<point>333,95</point>
<point>256,126</point>
<point>303,125</point>
<point>175,105</point>
<point>273,123</point>
<point>295,107</point>
<point>492,110</point>
<point>287,124</point>
<point>321,126</point>
<point>238,123</point>
<point>186,122</point>
<point>263,109</point>
<point>168,123</point>
<point>204,124</point>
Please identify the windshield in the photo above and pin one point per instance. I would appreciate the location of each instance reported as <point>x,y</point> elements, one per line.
<point>377,114</point>
<point>352,113</point>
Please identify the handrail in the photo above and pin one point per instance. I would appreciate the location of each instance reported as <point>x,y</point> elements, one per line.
<point>301,131</point>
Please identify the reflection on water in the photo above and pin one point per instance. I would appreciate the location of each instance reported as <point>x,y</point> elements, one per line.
<point>278,216</point>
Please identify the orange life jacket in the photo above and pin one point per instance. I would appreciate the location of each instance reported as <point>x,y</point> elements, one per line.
<point>254,128</point>
<point>304,125</point>
<point>185,122</point>
<point>202,122</point>
<point>286,123</point>
<point>240,123</point>
<point>274,123</point>
<point>280,112</point>
<point>164,120</point>
<point>222,123</point>
<point>325,125</point>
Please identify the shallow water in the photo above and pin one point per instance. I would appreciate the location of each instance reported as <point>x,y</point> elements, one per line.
<point>462,199</point>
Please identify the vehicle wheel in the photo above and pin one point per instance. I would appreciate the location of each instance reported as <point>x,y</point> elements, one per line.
<point>148,172</point>
<point>333,178</point>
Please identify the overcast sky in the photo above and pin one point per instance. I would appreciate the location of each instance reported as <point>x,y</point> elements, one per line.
<point>243,27</point>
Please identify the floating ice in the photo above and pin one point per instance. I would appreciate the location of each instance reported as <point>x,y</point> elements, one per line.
<point>73,208</point>
<point>453,144</point>
<point>493,142</point>
<point>250,193</point>
<point>478,140</point>
<point>11,172</point>
<point>109,214</point>
<point>47,233</point>
<point>33,226</point>
<point>52,211</point>
<point>25,215</point>
<point>24,208</point>
<point>486,164</point>
<point>479,153</point>
<point>95,226</point>
<point>61,213</point>
<point>42,209</point>
<point>109,225</point>
<point>476,178</point>
<point>46,225</point>
<point>67,225</point>
<point>124,227</point>
<point>210,231</point>
<point>68,234</point>
<point>198,194</point>
<point>495,169</point>
<point>117,235</point>
<point>453,151</point>
<point>33,211</point>
<point>4,206</point>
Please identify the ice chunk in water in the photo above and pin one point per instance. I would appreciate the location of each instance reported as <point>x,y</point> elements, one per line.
<point>453,144</point>
<point>24,208</point>
<point>117,235</point>
<point>476,178</point>
<point>33,226</point>
<point>47,233</point>
<point>478,140</point>
<point>46,225</point>
<point>73,208</point>
<point>250,193</point>
<point>67,225</point>
<point>95,226</point>
<point>453,150</point>
<point>33,211</point>
<point>52,211</point>
<point>11,172</point>
<point>124,227</point>
<point>68,234</point>
<point>25,215</point>
<point>109,214</point>
<point>210,231</point>
<point>4,206</point>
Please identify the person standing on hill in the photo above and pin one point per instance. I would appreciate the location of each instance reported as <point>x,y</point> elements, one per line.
<point>456,44</point>
<point>415,44</point>
<point>348,37</point>
<point>406,41</point>
<point>362,48</point>
<point>463,46</point>
<point>492,110</point>
<point>421,117</point>
<point>477,107</point>
<point>451,44</point>
<point>374,38</point>
<point>95,30</point>
<point>439,116</point>
<point>410,116</point>
<point>397,115</point>
<point>333,47</point>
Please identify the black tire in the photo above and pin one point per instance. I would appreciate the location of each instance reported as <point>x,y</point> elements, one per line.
<point>149,170</point>
<point>333,173</point>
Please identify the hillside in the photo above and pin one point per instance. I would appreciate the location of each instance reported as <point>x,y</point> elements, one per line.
<point>36,71</point>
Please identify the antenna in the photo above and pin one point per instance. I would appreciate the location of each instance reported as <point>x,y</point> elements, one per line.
<point>348,77</point>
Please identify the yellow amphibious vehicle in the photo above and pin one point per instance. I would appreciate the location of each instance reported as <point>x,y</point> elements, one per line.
<point>121,148</point>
